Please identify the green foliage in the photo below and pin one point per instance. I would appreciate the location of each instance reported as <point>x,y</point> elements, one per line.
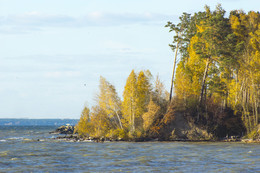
<point>216,84</point>
<point>221,64</point>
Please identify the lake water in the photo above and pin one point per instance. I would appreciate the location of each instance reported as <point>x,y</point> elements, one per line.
<point>21,151</point>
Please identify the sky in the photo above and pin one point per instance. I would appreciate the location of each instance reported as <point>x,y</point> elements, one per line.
<point>53,52</point>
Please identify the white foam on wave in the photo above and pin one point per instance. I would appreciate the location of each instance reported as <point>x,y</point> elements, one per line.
<point>2,140</point>
<point>16,138</point>
<point>14,158</point>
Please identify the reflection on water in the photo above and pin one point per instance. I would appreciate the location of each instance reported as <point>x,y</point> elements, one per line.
<point>21,151</point>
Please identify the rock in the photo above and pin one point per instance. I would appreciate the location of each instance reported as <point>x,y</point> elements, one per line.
<point>68,129</point>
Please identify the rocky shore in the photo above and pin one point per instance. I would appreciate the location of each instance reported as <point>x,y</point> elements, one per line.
<point>68,134</point>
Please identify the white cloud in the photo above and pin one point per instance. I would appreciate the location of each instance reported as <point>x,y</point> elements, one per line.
<point>95,15</point>
<point>60,85</point>
<point>34,20</point>
<point>119,47</point>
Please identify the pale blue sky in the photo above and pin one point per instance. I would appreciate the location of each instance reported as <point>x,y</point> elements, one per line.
<point>51,48</point>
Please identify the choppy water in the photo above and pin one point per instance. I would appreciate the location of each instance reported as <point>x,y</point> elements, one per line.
<point>21,151</point>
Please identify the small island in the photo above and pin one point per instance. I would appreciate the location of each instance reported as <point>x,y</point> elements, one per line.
<point>216,93</point>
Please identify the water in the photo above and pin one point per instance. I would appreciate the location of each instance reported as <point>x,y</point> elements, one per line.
<point>33,149</point>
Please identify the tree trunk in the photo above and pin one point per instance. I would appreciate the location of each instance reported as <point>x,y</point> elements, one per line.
<point>131,115</point>
<point>204,81</point>
<point>236,95</point>
<point>133,122</point>
<point>257,104</point>
<point>255,100</point>
<point>173,71</point>
<point>119,120</point>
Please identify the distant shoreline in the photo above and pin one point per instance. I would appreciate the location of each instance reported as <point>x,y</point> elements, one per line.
<point>36,122</point>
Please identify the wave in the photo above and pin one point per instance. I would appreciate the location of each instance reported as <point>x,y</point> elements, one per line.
<point>16,138</point>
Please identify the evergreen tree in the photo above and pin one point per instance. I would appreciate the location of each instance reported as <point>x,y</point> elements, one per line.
<point>221,63</point>
<point>212,34</point>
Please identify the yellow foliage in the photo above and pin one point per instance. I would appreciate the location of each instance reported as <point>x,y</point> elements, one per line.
<point>189,73</point>
<point>84,127</point>
<point>129,101</point>
<point>136,97</point>
<point>182,83</point>
<point>149,117</point>
<point>236,26</point>
<point>101,123</point>
<point>110,102</point>
<point>143,93</point>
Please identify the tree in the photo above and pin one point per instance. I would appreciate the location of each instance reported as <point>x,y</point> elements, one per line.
<point>136,97</point>
<point>160,94</point>
<point>179,41</point>
<point>84,127</point>
<point>143,93</point>
<point>245,91</point>
<point>212,34</point>
<point>150,116</point>
<point>129,101</point>
<point>220,63</point>
<point>101,122</point>
<point>109,101</point>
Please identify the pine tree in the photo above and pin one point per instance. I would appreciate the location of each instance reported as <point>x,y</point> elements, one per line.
<point>183,32</point>
<point>212,34</point>
<point>221,63</point>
